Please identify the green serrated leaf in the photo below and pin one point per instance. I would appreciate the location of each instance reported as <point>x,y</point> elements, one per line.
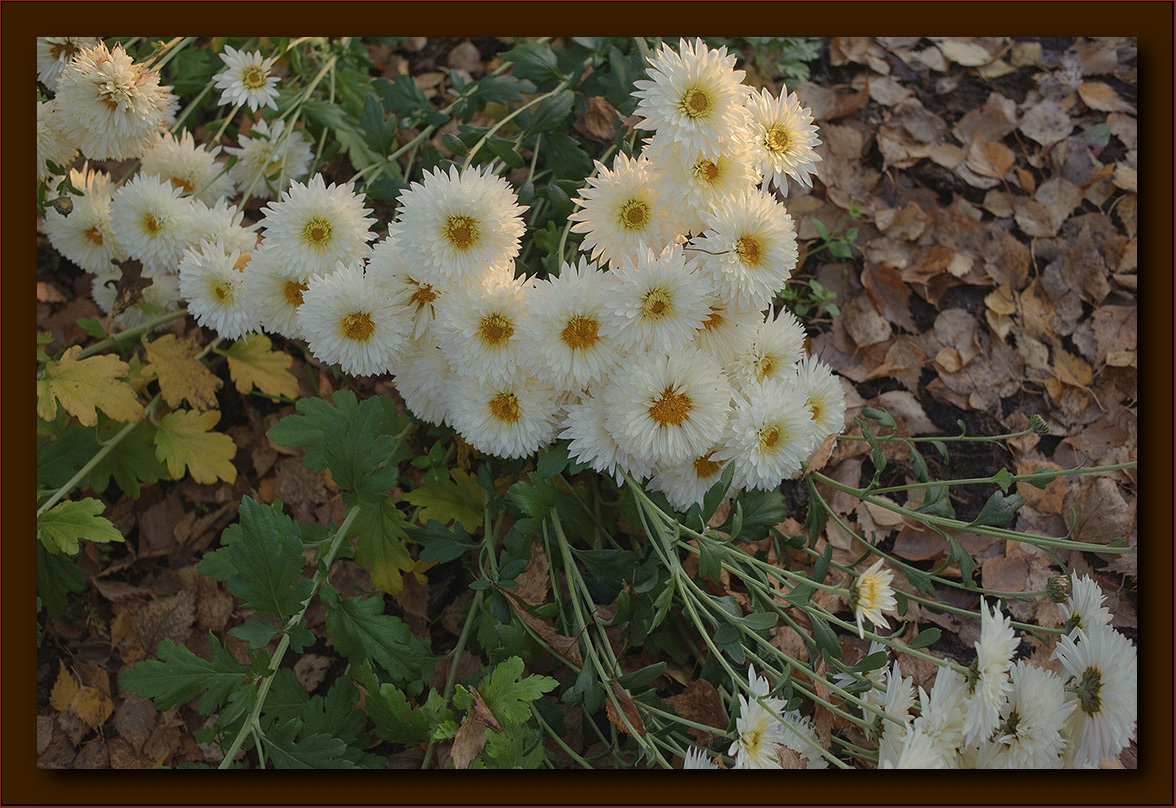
<point>60,527</point>
<point>460,501</point>
<point>307,430</point>
<point>762,511</point>
<point>508,696</point>
<point>380,545</point>
<point>505,151</point>
<point>255,633</point>
<point>441,545</point>
<point>131,462</point>
<point>359,453</point>
<point>362,631</point>
<point>553,461</point>
<point>267,562</point>
<point>178,676</point>
<point>57,576</point>
<point>534,61</point>
<point>311,752</point>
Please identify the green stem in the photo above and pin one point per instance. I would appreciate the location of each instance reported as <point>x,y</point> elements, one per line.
<point>515,113</point>
<point>452,677</point>
<point>122,336</point>
<point>188,109</point>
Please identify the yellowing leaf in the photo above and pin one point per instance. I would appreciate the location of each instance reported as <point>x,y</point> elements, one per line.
<point>1103,98</point>
<point>461,501</point>
<point>90,704</point>
<point>253,364</point>
<point>84,387</point>
<point>60,527</point>
<point>185,440</point>
<point>181,375</point>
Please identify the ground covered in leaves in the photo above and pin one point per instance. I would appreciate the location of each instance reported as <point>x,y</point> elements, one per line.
<point>992,187</point>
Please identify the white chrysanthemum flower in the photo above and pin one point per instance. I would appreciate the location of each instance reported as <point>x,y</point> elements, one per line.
<point>770,352</point>
<point>389,270</point>
<point>748,248</point>
<point>694,96</point>
<point>593,445</point>
<point>246,80</point>
<point>988,683</point>
<point>152,222</point>
<point>1086,607</point>
<point>726,330</point>
<point>1029,735</point>
<point>114,106</point>
<point>212,280</point>
<point>769,435</point>
<point>191,168</point>
<point>783,139</point>
<point>799,737</point>
<point>685,484</point>
<point>512,418</point>
<point>667,409</point>
<point>918,752</point>
<point>900,697</point>
<point>698,759</point>
<point>221,221</point>
<point>52,145</point>
<point>423,379</point>
<point>480,328</point>
<point>1102,684</point>
<point>315,227</point>
<point>824,397</point>
<point>275,297</point>
<point>564,326</point>
<point>269,159</point>
<point>696,183</point>
<point>658,304</point>
<point>760,732</point>
<point>345,319</point>
<point>457,226</point>
<point>621,214</point>
<point>54,53</point>
<point>160,295</point>
<point>943,714</point>
<point>86,236</point>
<point>871,595</point>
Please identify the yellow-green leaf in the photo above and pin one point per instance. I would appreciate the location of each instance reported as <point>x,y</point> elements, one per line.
<point>461,501</point>
<point>380,546</point>
<point>60,527</point>
<point>181,375</point>
<point>185,439</point>
<point>84,387</point>
<point>253,364</point>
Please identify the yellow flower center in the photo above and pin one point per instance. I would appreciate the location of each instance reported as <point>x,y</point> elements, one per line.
<point>777,139</point>
<point>869,592</point>
<point>656,304</point>
<point>749,250</point>
<point>293,292</point>
<point>635,214</point>
<point>180,182</point>
<point>769,437</point>
<point>358,326</point>
<point>671,408</point>
<point>317,232</point>
<point>152,224</point>
<point>815,410</point>
<point>705,170</point>
<point>67,49</point>
<point>495,329</point>
<point>704,467</point>
<point>272,167</point>
<point>253,77</point>
<point>764,368</point>
<point>715,320</point>
<point>505,407</point>
<point>423,296</point>
<point>580,332</point>
<point>695,103</point>
<point>461,231</point>
<point>94,236</point>
<point>223,292</point>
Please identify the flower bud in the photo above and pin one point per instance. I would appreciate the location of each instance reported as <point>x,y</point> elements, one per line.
<point>64,204</point>
<point>1038,425</point>
<point>1058,588</point>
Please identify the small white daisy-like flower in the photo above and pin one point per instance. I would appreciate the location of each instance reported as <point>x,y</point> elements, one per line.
<point>511,418</point>
<point>900,697</point>
<point>345,320</point>
<point>698,759</point>
<point>86,236</point>
<point>943,714</point>
<point>824,397</point>
<point>748,248</point>
<point>246,80</point>
<point>760,732</point>
<point>685,484</point>
<point>695,182</point>
<point>54,53</point>
<point>593,445</point>
<point>871,595</point>
<point>269,159</point>
<point>481,327</point>
<point>1102,683</point>
<point>423,379</point>
<point>621,214</point>
<point>783,139</point>
<point>918,752</point>
<point>769,435</point>
<point>316,226</point>
<point>799,743</point>
<point>563,324</point>
<point>275,296</point>
<point>1029,735</point>
<point>457,226</point>
<point>152,222</point>
<point>161,294</point>
<point>221,221</point>
<point>1086,607</point>
<point>389,270</point>
<point>191,168</point>
<point>770,352</point>
<point>52,145</point>
<point>114,106</point>
<point>726,330</point>
<point>667,409</point>
<point>212,280</point>
<point>694,96</point>
<point>988,682</point>
<point>659,303</point>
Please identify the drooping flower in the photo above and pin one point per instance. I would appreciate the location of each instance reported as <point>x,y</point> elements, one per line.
<point>695,182</point>
<point>900,697</point>
<point>1086,607</point>
<point>988,681</point>
<point>246,80</point>
<point>1102,685</point>
<point>824,397</point>
<point>276,297</point>
<point>943,712</point>
<point>389,270</point>
<point>698,759</point>
<point>760,733</point>
<point>871,595</point>
<point>594,445</point>
<point>726,329</point>
<point>917,752</point>
<point>769,352</point>
<point>424,379</point>
<point>685,484</point>
<point>1031,720</point>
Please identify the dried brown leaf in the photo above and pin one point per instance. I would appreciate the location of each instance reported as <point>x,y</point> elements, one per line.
<point>1102,97</point>
<point>628,708</point>
<point>700,703</point>
<point>534,581</point>
<point>1046,123</point>
<point>181,376</point>
<point>989,158</point>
